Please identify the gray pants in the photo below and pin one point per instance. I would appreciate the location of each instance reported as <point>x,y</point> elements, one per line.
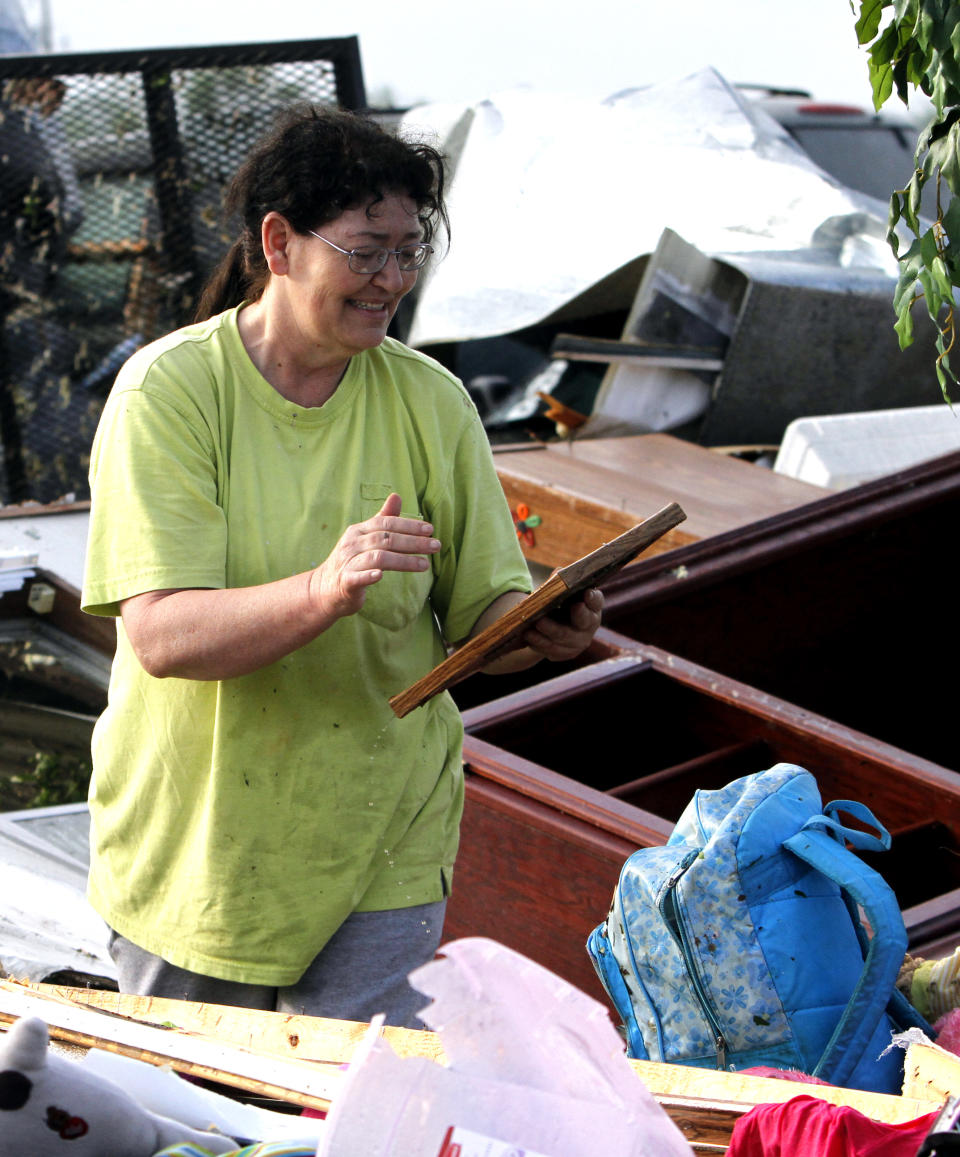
<point>362,971</point>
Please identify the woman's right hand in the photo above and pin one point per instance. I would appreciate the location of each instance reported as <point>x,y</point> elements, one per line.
<point>365,550</point>
<point>224,633</point>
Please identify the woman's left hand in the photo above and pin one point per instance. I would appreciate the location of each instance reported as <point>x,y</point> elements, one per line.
<point>559,639</point>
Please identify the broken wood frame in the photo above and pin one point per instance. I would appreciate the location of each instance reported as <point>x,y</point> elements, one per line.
<point>843,607</point>
<point>566,778</point>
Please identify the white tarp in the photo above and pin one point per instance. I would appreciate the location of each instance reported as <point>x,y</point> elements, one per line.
<point>46,924</point>
<point>551,193</point>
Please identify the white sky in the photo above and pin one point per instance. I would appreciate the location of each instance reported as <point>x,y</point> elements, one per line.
<point>449,50</point>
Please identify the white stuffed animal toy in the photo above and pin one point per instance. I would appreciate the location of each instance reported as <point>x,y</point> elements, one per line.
<point>50,1106</point>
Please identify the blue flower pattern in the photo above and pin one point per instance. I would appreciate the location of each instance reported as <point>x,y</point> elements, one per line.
<point>726,953</point>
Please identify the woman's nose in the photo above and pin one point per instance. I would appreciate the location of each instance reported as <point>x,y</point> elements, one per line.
<point>391,275</point>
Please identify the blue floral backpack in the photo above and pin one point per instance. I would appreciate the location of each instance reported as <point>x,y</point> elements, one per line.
<point>756,937</point>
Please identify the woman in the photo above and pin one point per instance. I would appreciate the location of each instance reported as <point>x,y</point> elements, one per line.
<point>293,515</point>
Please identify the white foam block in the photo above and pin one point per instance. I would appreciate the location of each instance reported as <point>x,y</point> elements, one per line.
<point>844,450</point>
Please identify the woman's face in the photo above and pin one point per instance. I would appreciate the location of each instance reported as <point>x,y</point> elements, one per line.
<point>336,312</point>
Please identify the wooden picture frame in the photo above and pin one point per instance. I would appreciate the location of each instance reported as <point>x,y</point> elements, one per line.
<point>550,596</point>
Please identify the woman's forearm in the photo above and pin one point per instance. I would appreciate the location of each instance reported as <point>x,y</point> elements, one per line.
<point>221,634</point>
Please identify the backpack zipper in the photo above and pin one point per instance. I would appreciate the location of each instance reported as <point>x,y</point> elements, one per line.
<point>669,908</point>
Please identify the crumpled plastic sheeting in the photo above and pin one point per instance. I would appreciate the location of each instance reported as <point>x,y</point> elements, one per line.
<point>551,193</point>
<point>46,924</point>
<point>501,1015</point>
<point>533,1063</point>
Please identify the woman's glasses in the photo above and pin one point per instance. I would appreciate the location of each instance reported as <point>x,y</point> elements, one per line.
<point>372,258</point>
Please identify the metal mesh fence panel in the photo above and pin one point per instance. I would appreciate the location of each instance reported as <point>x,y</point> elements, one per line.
<point>112,168</point>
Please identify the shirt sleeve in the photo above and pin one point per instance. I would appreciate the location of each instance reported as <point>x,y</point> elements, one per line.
<point>481,557</point>
<point>155,521</point>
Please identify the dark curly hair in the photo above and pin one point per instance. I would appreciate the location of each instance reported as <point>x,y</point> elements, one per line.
<point>314,165</point>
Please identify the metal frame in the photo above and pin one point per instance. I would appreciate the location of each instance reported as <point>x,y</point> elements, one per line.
<point>176,237</point>
<point>343,53</point>
<point>156,67</point>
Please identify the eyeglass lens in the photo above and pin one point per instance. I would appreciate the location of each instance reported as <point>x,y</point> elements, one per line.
<point>372,260</point>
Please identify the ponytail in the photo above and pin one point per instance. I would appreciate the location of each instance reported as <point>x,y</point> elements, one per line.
<point>229,284</point>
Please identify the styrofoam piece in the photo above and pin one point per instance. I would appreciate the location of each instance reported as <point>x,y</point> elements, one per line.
<point>843,450</point>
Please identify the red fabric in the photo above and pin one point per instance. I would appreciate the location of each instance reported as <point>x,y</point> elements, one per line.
<point>810,1127</point>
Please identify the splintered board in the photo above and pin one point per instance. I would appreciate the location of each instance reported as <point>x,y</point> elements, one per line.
<point>550,596</point>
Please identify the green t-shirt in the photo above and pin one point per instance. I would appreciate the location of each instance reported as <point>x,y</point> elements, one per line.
<point>235,824</point>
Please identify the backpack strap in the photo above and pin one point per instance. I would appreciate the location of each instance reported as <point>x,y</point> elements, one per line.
<point>865,889</point>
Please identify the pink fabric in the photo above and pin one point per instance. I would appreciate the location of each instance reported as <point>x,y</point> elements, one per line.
<point>814,1128</point>
<point>947,1029</point>
<point>783,1075</point>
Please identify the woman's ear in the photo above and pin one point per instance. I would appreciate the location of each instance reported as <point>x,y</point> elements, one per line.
<point>275,236</point>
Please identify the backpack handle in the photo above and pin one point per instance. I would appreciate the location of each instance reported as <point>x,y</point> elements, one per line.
<point>866,889</point>
<point>863,841</point>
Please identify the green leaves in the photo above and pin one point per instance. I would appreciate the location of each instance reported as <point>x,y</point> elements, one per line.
<point>943,152</point>
<point>915,44</point>
<point>868,23</point>
<point>918,48</point>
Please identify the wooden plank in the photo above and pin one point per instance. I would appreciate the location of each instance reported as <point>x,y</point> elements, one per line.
<point>298,1082</point>
<point>705,1104</point>
<point>933,926</point>
<point>35,509</point>
<point>906,788</point>
<point>573,525</point>
<point>675,785</point>
<point>534,879</point>
<point>565,715</point>
<point>587,489</point>
<point>681,1089</point>
<point>563,795</point>
<point>475,692</point>
<point>931,1072</point>
<point>503,634</point>
<point>305,1038</point>
<point>742,1091</point>
<point>520,821</point>
<point>66,616</point>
